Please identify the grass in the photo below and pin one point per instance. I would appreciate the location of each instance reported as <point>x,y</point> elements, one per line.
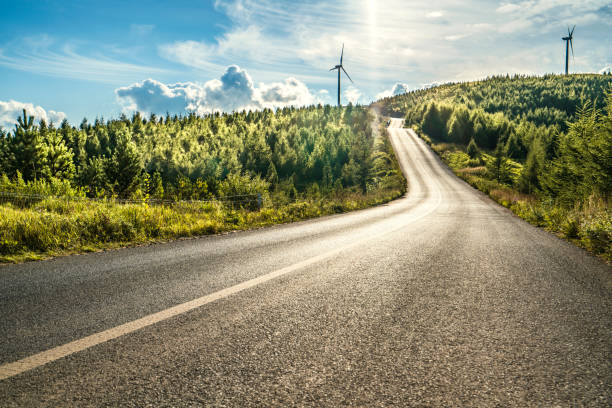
<point>54,226</point>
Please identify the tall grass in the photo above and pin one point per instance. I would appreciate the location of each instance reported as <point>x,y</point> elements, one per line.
<point>55,226</point>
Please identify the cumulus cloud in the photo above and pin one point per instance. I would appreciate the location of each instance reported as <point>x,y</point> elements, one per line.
<point>11,110</point>
<point>397,89</point>
<point>290,92</point>
<point>235,90</point>
<point>352,94</point>
<point>154,96</point>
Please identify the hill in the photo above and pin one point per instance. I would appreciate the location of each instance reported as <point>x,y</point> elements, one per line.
<point>540,145</point>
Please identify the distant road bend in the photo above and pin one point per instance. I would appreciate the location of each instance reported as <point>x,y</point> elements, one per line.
<point>439,298</point>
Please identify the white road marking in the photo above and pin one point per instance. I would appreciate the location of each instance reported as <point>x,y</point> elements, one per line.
<point>11,369</point>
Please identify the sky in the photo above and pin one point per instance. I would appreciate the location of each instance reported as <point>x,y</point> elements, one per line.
<point>98,59</point>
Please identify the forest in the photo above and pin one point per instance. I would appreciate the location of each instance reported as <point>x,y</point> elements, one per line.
<point>291,164</point>
<point>191,157</point>
<point>541,146</point>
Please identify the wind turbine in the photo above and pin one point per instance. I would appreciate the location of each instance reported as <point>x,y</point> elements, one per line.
<point>568,44</point>
<point>340,67</point>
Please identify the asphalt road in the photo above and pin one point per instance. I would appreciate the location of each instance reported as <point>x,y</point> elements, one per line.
<point>439,298</point>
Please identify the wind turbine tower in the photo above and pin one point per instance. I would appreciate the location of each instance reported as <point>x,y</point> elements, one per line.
<point>340,67</point>
<point>568,44</point>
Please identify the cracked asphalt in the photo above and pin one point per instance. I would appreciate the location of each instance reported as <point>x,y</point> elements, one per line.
<point>441,298</point>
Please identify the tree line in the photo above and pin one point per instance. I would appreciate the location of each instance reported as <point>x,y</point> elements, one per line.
<point>549,135</point>
<point>288,152</point>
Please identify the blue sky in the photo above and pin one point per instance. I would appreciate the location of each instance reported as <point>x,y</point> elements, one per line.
<point>89,59</point>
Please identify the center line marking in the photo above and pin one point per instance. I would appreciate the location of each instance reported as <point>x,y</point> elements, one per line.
<point>11,369</point>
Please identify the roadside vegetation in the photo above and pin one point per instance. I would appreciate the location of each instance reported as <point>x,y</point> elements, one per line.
<point>541,146</point>
<point>64,189</point>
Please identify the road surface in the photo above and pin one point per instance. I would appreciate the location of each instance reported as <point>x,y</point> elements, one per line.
<point>439,298</point>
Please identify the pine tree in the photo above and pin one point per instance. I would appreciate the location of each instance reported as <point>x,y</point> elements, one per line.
<point>460,127</point>
<point>93,176</point>
<point>6,156</point>
<point>432,124</point>
<point>126,167</point>
<point>498,166</point>
<point>27,149</point>
<point>58,157</point>
<point>515,147</point>
<point>157,186</point>
<point>529,181</point>
<point>272,175</point>
<point>472,149</point>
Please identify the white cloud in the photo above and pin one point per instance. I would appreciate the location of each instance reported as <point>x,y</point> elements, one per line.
<point>304,38</point>
<point>352,94</point>
<point>290,92</point>
<point>11,110</point>
<point>433,84</point>
<point>605,70</point>
<point>233,91</point>
<point>397,89</point>
<point>190,53</point>
<point>154,96</point>
<point>242,43</point>
<point>455,37</point>
<point>276,40</point>
<point>508,8</point>
<point>41,55</point>
<point>434,14</point>
<point>538,16</point>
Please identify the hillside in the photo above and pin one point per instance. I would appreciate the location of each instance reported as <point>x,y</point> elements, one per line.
<point>547,100</point>
<point>540,145</point>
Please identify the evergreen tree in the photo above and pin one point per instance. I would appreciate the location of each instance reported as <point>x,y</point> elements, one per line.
<point>432,124</point>
<point>515,147</point>
<point>529,181</point>
<point>357,171</point>
<point>460,126</point>
<point>272,175</point>
<point>27,149</point>
<point>58,157</point>
<point>126,166</point>
<point>6,157</point>
<point>93,177</point>
<point>472,149</point>
<point>498,167</point>
<point>157,186</point>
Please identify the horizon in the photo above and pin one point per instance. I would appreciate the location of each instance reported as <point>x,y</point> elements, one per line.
<point>64,61</point>
<point>33,111</point>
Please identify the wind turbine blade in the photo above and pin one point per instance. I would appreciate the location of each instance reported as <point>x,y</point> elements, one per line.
<point>334,68</point>
<point>572,46</point>
<point>572,30</point>
<point>346,73</point>
<point>342,54</point>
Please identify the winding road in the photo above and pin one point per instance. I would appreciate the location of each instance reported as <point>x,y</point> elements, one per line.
<point>440,298</point>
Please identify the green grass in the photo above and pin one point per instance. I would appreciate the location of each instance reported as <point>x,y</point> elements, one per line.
<point>54,226</point>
